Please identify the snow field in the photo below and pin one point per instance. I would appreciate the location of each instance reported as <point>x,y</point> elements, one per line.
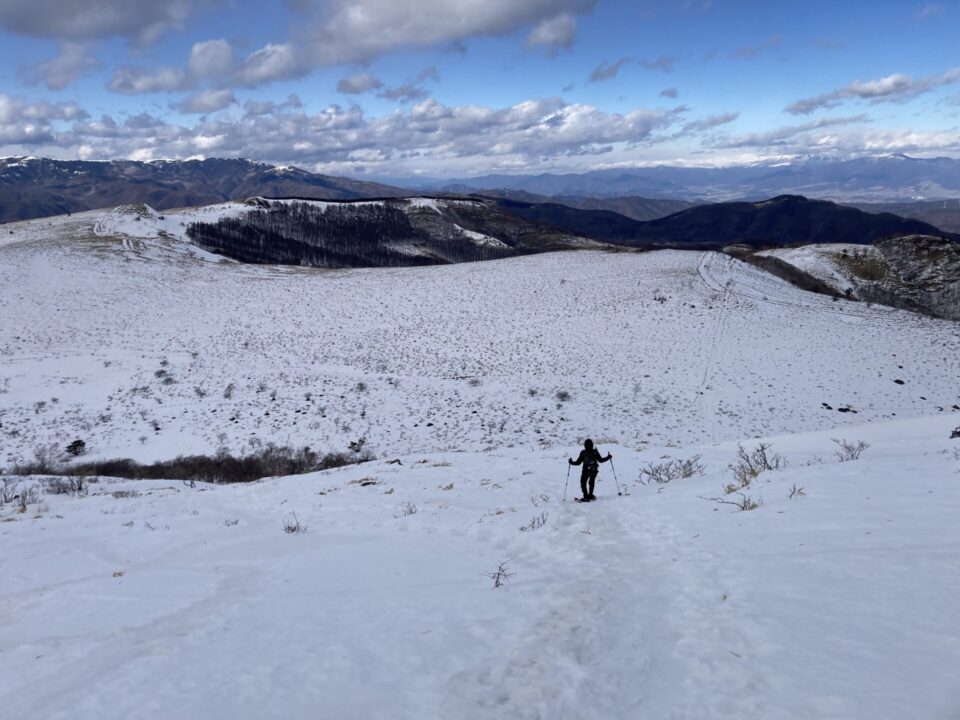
<point>139,349</point>
<point>180,602</point>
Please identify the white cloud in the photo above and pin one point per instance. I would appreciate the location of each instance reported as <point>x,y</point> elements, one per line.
<point>553,34</point>
<point>140,21</point>
<point>892,88</point>
<point>73,60</point>
<point>211,58</point>
<point>31,124</point>
<point>710,122</point>
<point>206,101</point>
<point>429,133</point>
<point>791,134</point>
<point>133,81</point>
<point>338,31</point>
<point>269,63</point>
<point>358,84</point>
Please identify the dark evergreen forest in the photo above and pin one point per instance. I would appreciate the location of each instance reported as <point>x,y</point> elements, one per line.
<point>340,236</point>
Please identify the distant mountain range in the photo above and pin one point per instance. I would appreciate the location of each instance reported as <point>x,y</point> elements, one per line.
<point>889,178</point>
<point>944,214</point>
<point>38,187</point>
<point>777,222</point>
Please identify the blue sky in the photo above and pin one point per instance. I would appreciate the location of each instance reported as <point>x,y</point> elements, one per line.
<point>444,88</point>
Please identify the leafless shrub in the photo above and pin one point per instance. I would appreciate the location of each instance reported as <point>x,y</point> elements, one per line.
<point>406,510</point>
<point>231,523</point>
<point>265,461</point>
<point>500,575</point>
<point>65,486</point>
<point>292,525</point>
<point>27,496</point>
<point>9,490</point>
<point>46,462</point>
<point>750,464</point>
<point>672,469</point>
<point>124,494</point>
<point>536,522</point>
<point>563,395</point>
<point>796,492</point>
<point>743,504</point>
<point>848,450</point>
<point>541,498</point>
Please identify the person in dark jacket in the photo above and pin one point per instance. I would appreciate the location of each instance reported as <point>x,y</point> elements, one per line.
<point>590,458</point>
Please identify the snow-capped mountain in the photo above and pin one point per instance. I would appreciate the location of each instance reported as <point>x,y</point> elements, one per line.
<point>39,187</point>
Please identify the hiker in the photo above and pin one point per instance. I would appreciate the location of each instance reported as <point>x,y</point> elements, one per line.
<point>589,457</point>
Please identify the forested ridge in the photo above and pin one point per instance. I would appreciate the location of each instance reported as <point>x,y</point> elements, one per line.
<point>369,234</point>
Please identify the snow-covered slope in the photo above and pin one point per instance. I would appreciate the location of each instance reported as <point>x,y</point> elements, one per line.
<point>151,599</point>
<point>914,272</point>
<point>140,350</point>
<point>156,600</point>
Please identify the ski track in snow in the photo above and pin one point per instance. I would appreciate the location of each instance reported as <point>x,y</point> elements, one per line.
<point>140,601</point>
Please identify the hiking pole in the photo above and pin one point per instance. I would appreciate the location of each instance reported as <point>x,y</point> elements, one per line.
<point>615,477</point>
<point>566,483</point>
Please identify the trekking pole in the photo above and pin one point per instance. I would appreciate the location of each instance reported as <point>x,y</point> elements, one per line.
<point>566,483</point>
<point>615,477</point>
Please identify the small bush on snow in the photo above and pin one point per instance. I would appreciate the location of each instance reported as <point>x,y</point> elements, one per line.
<point>664,472</point>
<point>848,450</point>
<point>750,464</point>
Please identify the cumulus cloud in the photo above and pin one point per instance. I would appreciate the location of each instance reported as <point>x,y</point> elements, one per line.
<point>554,34</point>
<point>892,88</point>
<point>206,101</point>
<point>337,31</point>
<point>749,52</point>
<point>211,58</point>
<point>272,62</point>
<point>73,60</point>
<point>429,133</point>
<point>670,92</point>
<point>24,123</point>
<point>139,21</point>
<point>607,70</point>
<point>134,81</point>
<point>358,84</point>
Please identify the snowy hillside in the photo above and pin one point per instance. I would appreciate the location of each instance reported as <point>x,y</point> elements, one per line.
<point>134,346</point>
<point>915,272</point>
<point>834,598</point>
<point>151,599</point>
